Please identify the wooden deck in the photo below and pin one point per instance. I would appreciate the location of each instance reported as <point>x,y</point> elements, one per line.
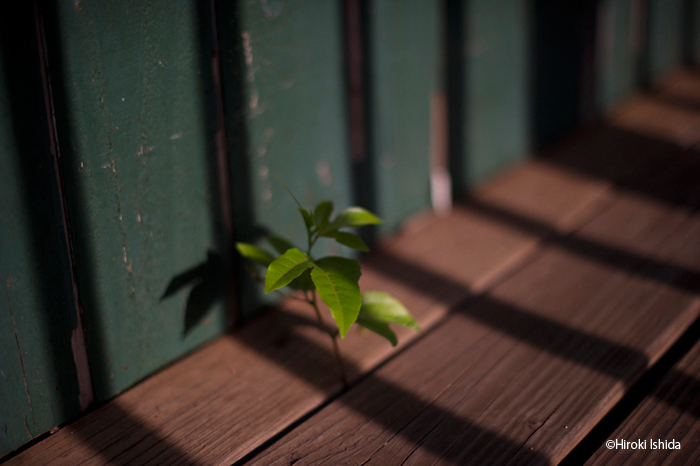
<point>543,299</point>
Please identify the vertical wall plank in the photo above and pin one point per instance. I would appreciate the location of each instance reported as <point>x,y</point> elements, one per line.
<point>404,53</point>
<point>691,33</point>
<point>136,130</point>
<point>496,70</point>
<point>38,382</point>
<point>616,52</point>
<point>285,110</point>
<point>665,37</point>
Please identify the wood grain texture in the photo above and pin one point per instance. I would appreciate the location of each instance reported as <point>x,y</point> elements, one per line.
<point>518,377</point>
<point>522,374</point>
<point>217,405</point>
<point>38,380</point>
<point>282,66</point>
<point>132,84</point>
<point>669,413</point>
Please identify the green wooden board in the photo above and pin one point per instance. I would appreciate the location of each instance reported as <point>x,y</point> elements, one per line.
<point>404,53</point>
<point>284,96</point>
<point>38,382</point>
<point>496,86</point>
<point>692,33</point>
<point>617,60</point>
<point>664,36</point>
<point>136,129</point>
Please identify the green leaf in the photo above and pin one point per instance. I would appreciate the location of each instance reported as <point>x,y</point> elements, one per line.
<point>350,240</point>
<point>280,244</point>
<point>380,328</point>
<point>351,217</point>
<point>286,268</point>
<point>381,306</point>
<point>336,281</point>
<point>380,309</point>
<point>254,253</point>
<point>322,213</point>
<point>303,282</point>
<point>308,218</point>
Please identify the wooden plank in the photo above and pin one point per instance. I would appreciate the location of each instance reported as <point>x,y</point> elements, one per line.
<point>664,36</point>
<point>617,49</point>
<point>404,53</point>
<point>518,377</point>
<point>681,89</point>
<point>284,96</point>
<point>219,404</point>
<point>693,34</point>
<point>133,90</point>
<point>653,118</point>
<point>247,387</point>
<point>669,413</point>
<point>496,120</point>
<point>566,334</point>
<point>547,192</point>
<point>38,322</point>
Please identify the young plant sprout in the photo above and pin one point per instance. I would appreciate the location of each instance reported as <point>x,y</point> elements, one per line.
<point>335,279</point>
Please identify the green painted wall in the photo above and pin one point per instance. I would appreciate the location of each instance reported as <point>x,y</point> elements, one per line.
<point>285,108</point>
<point>693,33</point>
<point>404,53</point>
<point>136,128</point>
<point>665,36</point>
<point>496,84</point>
<point>617,59</point>
<point>38,382</point>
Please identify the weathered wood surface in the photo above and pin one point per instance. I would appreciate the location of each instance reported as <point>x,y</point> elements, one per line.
<point>133,91</point>
<point>215,406</point>
<point>521,375</point>
<point>669,413</point>
<point>289,121</point>
<point>404,52</point>
<point>588,274</point>
<point>38,314</point>
<point>282,77</point>
<point>617,47</point>
<point>495,105</point>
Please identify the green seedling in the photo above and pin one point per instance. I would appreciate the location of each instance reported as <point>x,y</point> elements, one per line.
<point>334,279</point>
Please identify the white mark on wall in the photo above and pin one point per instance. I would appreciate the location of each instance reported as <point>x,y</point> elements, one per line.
<point>126,259</point>
<point>250,69</point>
<point>176,136</point>
<point>324,172</point>
<point>144,150</point>
<point>264,175</point>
